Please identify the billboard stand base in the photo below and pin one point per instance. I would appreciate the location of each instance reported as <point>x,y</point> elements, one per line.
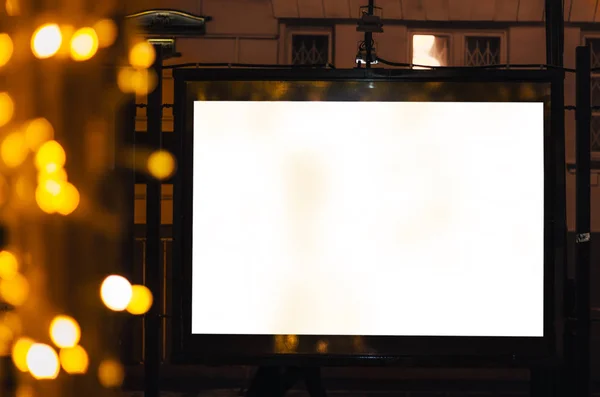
<point>277,381</point>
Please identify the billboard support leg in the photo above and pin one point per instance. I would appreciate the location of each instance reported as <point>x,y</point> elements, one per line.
<point>583,116</point>
<point>152,320</point>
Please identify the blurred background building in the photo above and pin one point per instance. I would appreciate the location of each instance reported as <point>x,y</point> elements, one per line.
<point>430,32</point>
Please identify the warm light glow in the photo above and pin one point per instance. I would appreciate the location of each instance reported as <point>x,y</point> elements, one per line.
<point>74,360</point>
<point>138,81</point>
<point>50,152</point>
<point>9,266</point>
<point>422,46</point>
<point>46,41</point>
<point>322,346</point>
<point>14,150</point>
<point>46,195</point>
<point>110,373</point>
<point>13,321</point>
<point>6,336</point>
<point>15,290</point>
<point>141,300</point>
<point>37,132</point>
<point>55,174</point>
<point>12,8</point>
<point>65,331</point>
<point>6,48</point>
<point>42,361</point>
<point>116,292</point>
<point>142,55</point>
<point>25,391</point>
<point>161,164</point>
<point>84,44</point>
<point>107,32</point>
<point>7,108</point>
<point>68,200</point>
<point>19,353</point>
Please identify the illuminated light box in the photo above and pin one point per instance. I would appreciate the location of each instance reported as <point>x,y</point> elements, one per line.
<point>425,220</point>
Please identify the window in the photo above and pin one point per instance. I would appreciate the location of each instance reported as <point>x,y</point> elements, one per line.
<point>309,47</point>
<point>429,50</point>
<point>481,51</point>
<point>594,44</point>
<point>457,48</point>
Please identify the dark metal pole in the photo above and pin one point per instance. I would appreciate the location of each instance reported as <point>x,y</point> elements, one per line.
<point>555,32</point>
<point>583,116</point>
<point>369,35</point>
<point>152,323</point>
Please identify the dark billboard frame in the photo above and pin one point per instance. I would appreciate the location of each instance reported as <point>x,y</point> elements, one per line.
<point>418,351</point>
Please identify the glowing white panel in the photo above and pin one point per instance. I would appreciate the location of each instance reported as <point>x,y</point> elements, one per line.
<point>427,220</point>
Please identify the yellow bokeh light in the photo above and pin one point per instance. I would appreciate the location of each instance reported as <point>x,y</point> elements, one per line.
<point>161,164</point>
<point>37,132</point>
<point>12,8</point>
<point>6,336</point>
<point>9,265</point>
<point>25,391</point>
<point>14,150</point>
<point>46,41</point>
<point>141,300</point>
<point>50,152</point>
<point>55,174</point>
<point>74,360</point>
<point>65,331</point>
<point>19,353</point>
<point>116,292</point>
<point>84,44</point>
<point>42,361</point>
<point>138,81</point>
<point>7,108</point>
<point>15,290</point>
<point>142,55</point>
<point>6,48</point>
<point>68,200</point>
<point>107,32</point>
<point>44,198</point>
<point>110,373</point>
<point>12,321</point>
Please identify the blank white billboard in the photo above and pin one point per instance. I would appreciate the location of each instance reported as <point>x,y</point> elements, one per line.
<point>368,218</point>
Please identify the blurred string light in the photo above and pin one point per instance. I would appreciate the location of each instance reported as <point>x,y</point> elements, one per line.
<point>19,353</point>
<point>12,8</point>
<point>161,164</point>
<point>116,292</point>
<point>141,300</point>
<point>42,361</point>
<point>14,150</point>
<point>107,31</point>
<point>56,196</point>
<point>65,331</point>
<point>142,55</point>
<point>58,175</point>
<point>37,132</point>
<point>6,336</point>
<point>138,81</point>
<point>15,290</point>
<point>46,41</point>
<point>6,48</point>
<point>50,157</point>
<point>110,373</point>
<point>9,265</point>
<point>7,108</point>
<point>84,44</point>
<point>74,360</point>
<point>25,391</point>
